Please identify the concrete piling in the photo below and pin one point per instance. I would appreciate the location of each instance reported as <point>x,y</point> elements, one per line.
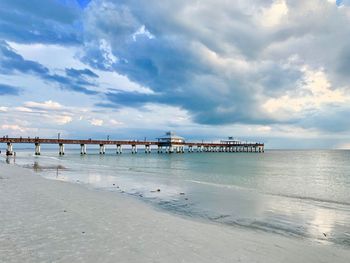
<point>61,149</point>
<point>37,149</point>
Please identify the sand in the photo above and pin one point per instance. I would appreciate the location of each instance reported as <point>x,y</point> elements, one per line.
<point>44,220</point>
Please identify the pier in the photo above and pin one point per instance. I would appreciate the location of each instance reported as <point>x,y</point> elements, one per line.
<point>167,144</point>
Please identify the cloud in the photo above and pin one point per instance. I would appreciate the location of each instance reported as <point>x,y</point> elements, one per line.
<point>274,14</point>
<point>13,127</point>
<point>312,93</point>
<point>258,68</point>
<point>71,84</point>
<point>56,58</point>
<point>223,63</point>
<point>331,119</point>
<point>45,21</point>
<point>115,122</point>
<point>8,90</point>
<point>142,31</point>
<point>71,72</point>
<point>74,79</point>
<point>61,120</point>
<point>96,122</point>
<point>10,62</point>
<point>47,105</point>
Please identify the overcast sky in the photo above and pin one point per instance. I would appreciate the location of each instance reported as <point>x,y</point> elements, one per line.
<point>276,71</point>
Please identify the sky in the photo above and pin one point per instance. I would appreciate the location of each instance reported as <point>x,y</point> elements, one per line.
<point>272,71</point>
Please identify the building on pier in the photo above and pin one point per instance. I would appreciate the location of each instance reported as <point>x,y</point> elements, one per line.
<point>171,143</point>
<point>232,141</point>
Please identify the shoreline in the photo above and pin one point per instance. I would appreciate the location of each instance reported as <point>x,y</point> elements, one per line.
<point>47,220</point>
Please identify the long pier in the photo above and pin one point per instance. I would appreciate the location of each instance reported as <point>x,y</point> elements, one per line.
<point>161,146</point>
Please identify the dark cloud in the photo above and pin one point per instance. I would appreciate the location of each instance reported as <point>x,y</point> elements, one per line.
<point>74,80</point>
<point>8,90</point>
<point>44,21</point>
<point>216,59</point>
<point>71,84</point>
<point>10,61</point>
<point>174,63</point>
<point>80,73</point>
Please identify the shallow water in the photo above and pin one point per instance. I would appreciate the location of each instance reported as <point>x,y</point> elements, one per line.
<point>294,193</point>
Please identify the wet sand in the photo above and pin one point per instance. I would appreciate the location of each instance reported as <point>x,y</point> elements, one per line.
<point>53,221</point>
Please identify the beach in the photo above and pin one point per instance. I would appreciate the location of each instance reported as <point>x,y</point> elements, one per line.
<point>53,221</point>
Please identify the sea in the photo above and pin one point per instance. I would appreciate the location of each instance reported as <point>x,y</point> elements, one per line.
<point>296,193</point>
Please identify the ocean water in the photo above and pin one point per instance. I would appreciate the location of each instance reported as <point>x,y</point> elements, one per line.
<point>301,194</point>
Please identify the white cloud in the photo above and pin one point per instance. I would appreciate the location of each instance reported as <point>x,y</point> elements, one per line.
<point>115,122</point>
<point>275,14</point>
<point>264,129</point>
<point>96,122</point>
<point>313,92</point>
<point>22,109</point>
<point>106,49</point>
<point>142,31</point>
<point>13,127</point>
<point>62,119</point>
<point>47,105</point>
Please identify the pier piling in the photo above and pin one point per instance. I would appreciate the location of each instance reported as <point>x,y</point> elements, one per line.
<point>119,149</point>
<point>82,149</point>
<point>9,150</point>
<point>102,149</point>
<point>133,149</point>
<point>61,149</point>
<point>37,149</point>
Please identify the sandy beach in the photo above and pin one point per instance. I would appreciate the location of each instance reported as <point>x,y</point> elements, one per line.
<point>53,221</point>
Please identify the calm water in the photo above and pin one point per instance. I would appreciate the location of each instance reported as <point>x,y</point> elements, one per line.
<point>295,193</point>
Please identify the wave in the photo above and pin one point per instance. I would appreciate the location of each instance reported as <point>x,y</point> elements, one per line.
<point>229,186</point>
<point>298,197</point>
<point>310,198</point>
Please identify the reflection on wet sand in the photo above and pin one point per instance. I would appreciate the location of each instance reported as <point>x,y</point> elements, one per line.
<point>38,168</point>
<point>325,223</point>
